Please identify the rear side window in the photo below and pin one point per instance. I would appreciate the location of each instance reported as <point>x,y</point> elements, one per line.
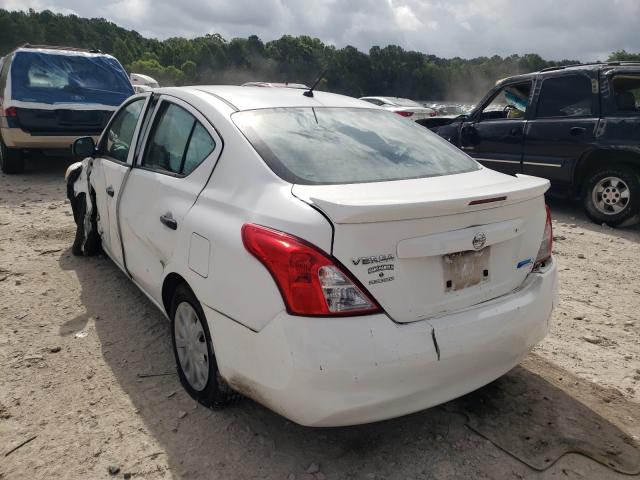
<point>178,142</point>
<point>569,96</point>
<point>626,91</point>
<point>347,145</point>
<point>120,132</point>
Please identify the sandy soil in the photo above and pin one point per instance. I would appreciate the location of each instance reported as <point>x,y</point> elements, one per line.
<point>87,373</point>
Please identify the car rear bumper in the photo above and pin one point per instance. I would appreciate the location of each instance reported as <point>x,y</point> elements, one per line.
<point>18,138</point>
<point>346,371</point>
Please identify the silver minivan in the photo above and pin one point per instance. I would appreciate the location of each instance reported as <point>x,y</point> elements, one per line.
<point>49,96</point>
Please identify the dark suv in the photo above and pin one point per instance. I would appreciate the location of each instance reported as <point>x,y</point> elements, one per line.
<point>578,126</point>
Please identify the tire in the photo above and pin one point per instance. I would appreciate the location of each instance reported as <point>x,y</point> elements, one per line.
<point>611,195</point>
<point>209,388</point>
<point>10,160</point>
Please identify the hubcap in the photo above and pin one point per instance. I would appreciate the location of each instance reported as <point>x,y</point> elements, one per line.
<point>191,344</point>
<point>611,195</point>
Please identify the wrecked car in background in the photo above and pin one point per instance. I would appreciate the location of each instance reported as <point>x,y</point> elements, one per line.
<point>329,259</point>
<point>403,107</point>
<point>578,126</point>
<point>49,96</point>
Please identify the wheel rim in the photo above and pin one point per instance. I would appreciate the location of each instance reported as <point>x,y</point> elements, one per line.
<point>611,195</point>
<point>191,345</point>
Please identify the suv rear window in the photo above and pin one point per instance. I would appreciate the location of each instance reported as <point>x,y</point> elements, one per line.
<point>328,145</point>
<point>50,78</point>
<point>626,89</point>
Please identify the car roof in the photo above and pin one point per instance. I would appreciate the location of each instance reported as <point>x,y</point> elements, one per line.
<point>571,68</point>
<point>251,98</point>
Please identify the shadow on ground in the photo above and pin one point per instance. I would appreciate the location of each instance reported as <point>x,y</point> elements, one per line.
<point>249,441</point>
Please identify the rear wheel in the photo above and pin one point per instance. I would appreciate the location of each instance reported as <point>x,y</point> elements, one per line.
<point>193,350</point>
<point>612,195</point>
<point>11,160</point>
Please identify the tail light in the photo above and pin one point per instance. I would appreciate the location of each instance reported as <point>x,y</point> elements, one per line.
<point>11,112</point>
<point>404,113</point>
<point>433,114</point>
<point>544,253</point>
<point>310,281</point>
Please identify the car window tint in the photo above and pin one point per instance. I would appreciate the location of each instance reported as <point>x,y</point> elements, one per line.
<point>347,145</point>
<point>200,146</point>
<point>167,144</point>
<point>511,103</point>
<point>626,90</point>
<point>569,96</point>
<point>120,133</point>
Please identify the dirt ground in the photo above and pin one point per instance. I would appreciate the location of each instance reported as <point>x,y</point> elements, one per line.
<point>87,376</point>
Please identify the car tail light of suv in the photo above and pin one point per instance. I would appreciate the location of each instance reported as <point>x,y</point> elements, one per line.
<point>404,113</point>
<point>544,253</point>
<point>311,282</point>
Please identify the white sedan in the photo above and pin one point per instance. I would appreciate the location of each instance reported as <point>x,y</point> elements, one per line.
<point>331,260</point>
<point>403,107</point>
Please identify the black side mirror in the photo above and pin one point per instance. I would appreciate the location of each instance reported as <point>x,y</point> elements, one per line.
<point>83,147</point>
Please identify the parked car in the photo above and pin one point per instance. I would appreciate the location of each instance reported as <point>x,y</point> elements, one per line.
<point>328,259</point>
<point>51,95</point>
<point>578,126</point>
<point>403,107</point>
<point>141,80</point>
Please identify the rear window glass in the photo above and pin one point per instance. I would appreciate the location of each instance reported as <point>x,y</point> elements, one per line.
<point>57,78</point>
<point>569,96</point>
<point>626,90</point>
<point>347,145</point>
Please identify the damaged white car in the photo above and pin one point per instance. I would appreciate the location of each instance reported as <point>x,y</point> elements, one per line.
<point>329,259</point>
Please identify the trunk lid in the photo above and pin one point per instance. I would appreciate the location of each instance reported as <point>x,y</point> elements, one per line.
<point>62,121</point>
<point>425,247</point>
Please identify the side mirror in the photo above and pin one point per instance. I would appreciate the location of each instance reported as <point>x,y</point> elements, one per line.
<point>83,147</point>
<point>468,135</point>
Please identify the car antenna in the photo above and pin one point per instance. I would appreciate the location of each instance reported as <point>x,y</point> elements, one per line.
<point>309,93</point>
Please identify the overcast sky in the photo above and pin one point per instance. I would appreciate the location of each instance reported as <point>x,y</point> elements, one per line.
<point>574,29</point>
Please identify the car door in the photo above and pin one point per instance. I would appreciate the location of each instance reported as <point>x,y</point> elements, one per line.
<point>179,153</point>
<point>111,165</point>
<point>563,126</point>
<point>494,134</point>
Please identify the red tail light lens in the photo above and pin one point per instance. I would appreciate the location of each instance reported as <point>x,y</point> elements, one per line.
<point>544,253</point>
<point>404,114</point>
<point>11,112</point>
<point>433,114</point>
<point>311,282</point>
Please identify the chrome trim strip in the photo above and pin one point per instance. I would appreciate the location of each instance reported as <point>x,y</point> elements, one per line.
<point>495,160</point>
<point>543,164</point>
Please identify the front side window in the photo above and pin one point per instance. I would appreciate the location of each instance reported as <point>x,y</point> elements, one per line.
<point>568,96</point>
<point>510,103</point>
<point>121,130</point>
<point>626,91</point>
<point>178,143</point>
<point>347,145</point>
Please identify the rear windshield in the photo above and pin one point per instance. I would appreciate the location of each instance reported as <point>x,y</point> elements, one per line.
<point>40,77</point>
<point>313,146</point>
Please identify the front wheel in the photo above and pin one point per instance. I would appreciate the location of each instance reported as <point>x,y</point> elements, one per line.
<point>612,195</point>
<point>193,350</point>
<point>10,160</point>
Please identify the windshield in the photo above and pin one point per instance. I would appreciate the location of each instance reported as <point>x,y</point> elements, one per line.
<point>57,78</point>
<point>347,145</point>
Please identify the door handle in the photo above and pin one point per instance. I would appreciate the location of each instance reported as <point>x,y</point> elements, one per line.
<point>576,131</point>
<point>168,220</point>
<point>515,131</point>
<point>110,191</point>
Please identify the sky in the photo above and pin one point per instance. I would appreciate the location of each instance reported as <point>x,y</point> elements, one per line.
<point>569,29</point>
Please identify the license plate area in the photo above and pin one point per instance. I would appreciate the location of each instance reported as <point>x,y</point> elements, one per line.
<point>465,269</point>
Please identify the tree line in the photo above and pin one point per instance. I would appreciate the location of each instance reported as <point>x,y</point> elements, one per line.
<point>388,70</point>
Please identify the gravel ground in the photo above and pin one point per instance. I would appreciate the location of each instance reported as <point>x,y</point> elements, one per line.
<point>87,376</point>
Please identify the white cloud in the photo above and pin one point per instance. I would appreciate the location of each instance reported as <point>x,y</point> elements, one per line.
<point>575,29</point>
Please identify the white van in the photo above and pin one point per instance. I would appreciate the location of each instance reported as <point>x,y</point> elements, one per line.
<point>49,96</point>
